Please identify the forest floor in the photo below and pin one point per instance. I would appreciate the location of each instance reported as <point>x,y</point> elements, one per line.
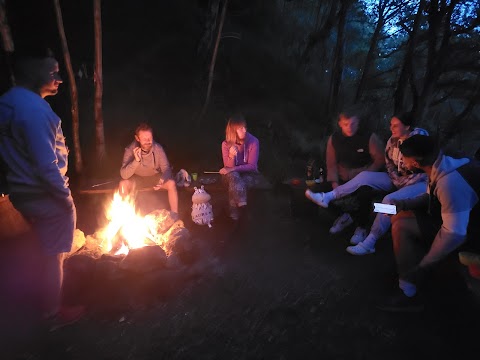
<point>287,289</point>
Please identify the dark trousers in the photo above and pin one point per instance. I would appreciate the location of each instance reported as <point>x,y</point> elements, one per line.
<point>358,205</point>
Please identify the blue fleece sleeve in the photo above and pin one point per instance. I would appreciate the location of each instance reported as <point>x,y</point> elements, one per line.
<point>40,135</point>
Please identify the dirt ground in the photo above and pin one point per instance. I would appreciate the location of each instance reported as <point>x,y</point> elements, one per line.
<point>284,289</point>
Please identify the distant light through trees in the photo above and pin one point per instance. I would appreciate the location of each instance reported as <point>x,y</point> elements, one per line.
<point>463,14</point>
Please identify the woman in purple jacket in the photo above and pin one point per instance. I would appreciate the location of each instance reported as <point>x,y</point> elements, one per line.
<point>240,157</point>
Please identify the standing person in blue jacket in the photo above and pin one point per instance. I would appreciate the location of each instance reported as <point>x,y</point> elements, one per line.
<point>432,227</point>
<point>33,148</point>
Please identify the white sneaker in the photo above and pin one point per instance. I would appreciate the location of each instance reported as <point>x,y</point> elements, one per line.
<point>358,236</point>
<point>342,222</point>
<point>360,249</point>
<point>317,198</point>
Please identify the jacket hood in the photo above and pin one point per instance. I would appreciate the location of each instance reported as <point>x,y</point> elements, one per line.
<point>445,165</point>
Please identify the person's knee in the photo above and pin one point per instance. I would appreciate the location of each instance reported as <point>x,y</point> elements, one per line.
<point>387,199</point>
<point>233,175</point>
<point>126,186</point>
<point>170,185</point>
<point>402,224</point>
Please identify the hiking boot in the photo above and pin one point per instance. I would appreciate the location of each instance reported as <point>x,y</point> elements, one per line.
<point>317,198</point>
<point>360,249</point>
<point>67,315</point>
<point>341,223</point>
<point>399,302</point>
<point>358,236</point>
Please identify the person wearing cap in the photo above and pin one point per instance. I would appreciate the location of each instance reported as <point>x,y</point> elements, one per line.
<point>430,229</point>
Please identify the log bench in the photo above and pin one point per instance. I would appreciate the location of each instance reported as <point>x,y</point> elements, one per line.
<point>91,198</point>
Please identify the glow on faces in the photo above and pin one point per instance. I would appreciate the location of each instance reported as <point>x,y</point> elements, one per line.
<point>399,129</point>
<point>145,139</point>
<point>241,132</point>
<point>349,126</point>
<point>49,77</point>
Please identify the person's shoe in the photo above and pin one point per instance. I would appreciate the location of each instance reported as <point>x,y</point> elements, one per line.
<point>360,249</point>
<point>317,198</point>
<point>399,302</point>
<point>358,236</point>
<point>67,315</point>
<point>341,223</point>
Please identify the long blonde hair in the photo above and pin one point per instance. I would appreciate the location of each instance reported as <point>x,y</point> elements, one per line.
<point>234,122</point>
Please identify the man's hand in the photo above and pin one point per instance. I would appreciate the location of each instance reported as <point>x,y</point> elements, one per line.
<point>137,153</point>
<point>232,152</point>
<point>225,170</point>
<point>159,185</point>
<point>334,185</point>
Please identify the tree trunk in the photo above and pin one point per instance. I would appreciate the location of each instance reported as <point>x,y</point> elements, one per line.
<point>210,24</point>
<point>337,68</point>
<point>214,58</point>
<point>73,89</point>
<point>7,40</point>
<point>319,34</point>
<point>407,68</point>
<point>371,50</point>
<point>439,34</point>
<point>99,130</point>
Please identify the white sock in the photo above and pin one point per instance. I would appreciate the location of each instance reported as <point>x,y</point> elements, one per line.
<point>408,288</point>
<point>370,241</point>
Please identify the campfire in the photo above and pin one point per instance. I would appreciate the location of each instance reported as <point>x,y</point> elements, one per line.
<point>128,230</point>
<point>134,258</point>
<point>155,240</point>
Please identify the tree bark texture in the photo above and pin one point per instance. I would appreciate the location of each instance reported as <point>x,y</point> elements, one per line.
<point>98,76</point>
<point>73,88</point>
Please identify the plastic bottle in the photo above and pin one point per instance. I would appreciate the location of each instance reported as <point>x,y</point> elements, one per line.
<point>320,176</point>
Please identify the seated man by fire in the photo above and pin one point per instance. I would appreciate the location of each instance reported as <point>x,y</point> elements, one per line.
<point>145,164</point>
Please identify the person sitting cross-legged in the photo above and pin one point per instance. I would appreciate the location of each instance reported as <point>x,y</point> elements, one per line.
<point>430,229</point>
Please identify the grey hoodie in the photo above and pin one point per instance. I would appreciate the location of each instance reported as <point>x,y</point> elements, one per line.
<point>454,198</point>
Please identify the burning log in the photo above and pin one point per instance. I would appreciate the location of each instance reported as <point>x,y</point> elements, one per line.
<point>144,259</point>
<point>159,221</point>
